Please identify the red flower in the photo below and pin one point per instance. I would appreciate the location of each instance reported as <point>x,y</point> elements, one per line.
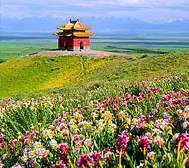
<point>63,150</point>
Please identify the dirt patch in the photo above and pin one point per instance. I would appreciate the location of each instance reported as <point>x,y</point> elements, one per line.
<point>91,53</point>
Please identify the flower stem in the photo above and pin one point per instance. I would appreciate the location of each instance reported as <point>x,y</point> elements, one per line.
<point>100,163</point>
<point>178,154</point>
<point>119,165</point>
<point>71,165</point>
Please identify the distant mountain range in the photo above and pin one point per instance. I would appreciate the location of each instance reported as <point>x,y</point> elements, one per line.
<point>106,26</point>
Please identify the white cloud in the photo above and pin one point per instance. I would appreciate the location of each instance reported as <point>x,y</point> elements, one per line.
<point>141,9</point>
<point>129,1</point>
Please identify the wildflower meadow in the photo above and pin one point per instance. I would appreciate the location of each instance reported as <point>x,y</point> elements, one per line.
<point>137,125</point>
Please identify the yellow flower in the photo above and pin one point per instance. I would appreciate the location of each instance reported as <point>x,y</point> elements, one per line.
<point>149,135</point>
<point>107,116</point>
<point>150,156</point>
<point>180,112</point>
<point>33,154</point>
<point>159,141</point>
<point>78,116</point>
<point>169,130</point>
<point>48,134</point>
<point>144,125</point>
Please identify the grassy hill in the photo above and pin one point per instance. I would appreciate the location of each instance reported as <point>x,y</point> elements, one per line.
<point>32,74</point>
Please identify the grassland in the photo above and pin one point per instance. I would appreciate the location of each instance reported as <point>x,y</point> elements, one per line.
<point>10,49</point>
<point>32,74</point>
<point>16,45</point>
<point>139,45</point>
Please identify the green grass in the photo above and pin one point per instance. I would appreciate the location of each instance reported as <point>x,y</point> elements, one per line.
<point>23,76</point>
<point>10,49</point>
<point>36,73</point>
<point>139,45</point>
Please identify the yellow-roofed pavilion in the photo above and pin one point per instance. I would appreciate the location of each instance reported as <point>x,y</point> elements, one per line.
<point>74,36</point>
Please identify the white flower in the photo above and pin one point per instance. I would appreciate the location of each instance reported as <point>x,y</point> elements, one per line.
<point>185,124</point>
<point>186,109</point>
<point>141,165</point>
<point>112,127</point>
<point>53,144</point>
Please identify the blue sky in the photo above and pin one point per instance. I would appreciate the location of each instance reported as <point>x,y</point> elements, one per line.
<point>146,10</point>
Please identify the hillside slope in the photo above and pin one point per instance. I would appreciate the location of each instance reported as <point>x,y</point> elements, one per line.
<point>31,74</point>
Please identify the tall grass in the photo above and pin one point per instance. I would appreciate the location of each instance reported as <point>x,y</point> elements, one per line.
<point>115,125</point>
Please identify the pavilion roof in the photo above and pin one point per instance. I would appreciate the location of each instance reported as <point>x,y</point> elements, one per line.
<point>77,34</point>
<point>73,25</point>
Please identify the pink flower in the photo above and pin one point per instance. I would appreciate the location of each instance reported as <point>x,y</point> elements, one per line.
<point>107,154</point>
<point>11,142</point>
<point>159,141</point>
<point>1,138</point>
<point>183,139</point>
<point>26,139</point>
<point>150,156</point>
<point>166,97</point>
<point>27,133</point>
<point>95,156</point>
<point>33,134</point>
<point>15,141</point>
<point>88,142</point>
<point>84,161</point>
<point>99,100</point>
<point>61,164</point>
<point>18,166</point>
<point>158,105</point>
<point>1,165</point>
<point>144,142</point>
<point>1,145</point>
<point>10,147</point>
<point>121,143</point>
<point>143,83</point>
<point>124,104</point>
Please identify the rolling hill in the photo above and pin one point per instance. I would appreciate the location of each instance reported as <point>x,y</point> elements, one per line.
<point>23,76</point>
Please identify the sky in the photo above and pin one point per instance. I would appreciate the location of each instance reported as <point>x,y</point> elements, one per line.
<point>145,10</point>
